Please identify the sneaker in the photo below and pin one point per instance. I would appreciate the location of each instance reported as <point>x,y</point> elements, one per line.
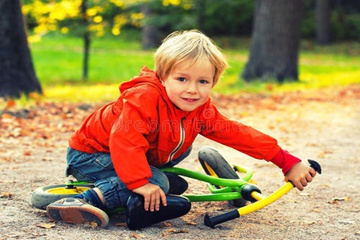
<point>77,211</point>
<point>178,185</point>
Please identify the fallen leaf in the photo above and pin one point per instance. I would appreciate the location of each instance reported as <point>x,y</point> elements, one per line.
<point>136,235</point>
<point>309,222</point>
<point>167,224</point>
<point>4,159</point>
<point>191,223</point>
<point>312,145</point>
<point>316,210</point>
<point>175,231</point>
<point>27,153</point>
<point>45,225</point>
<point>6,195</point>
<point>269,87</point>
<point>10,104</point>
<point>121,224</point>
<point>6,116</point>
<point>93,225</point>
<point>339,199</point>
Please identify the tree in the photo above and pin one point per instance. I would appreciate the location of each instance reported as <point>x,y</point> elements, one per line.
<point>200,6</point>
<point>275,40</point>
<point>84,18</point>
<point>150,32</point>
<point>322,10</point>
<point>17,74</point>
<point>86,38</point>
<point>162,17</point>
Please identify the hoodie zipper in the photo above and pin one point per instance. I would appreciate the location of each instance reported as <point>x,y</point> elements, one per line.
<point>181,141</point>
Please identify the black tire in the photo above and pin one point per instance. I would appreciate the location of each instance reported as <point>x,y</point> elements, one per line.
<point>43,196</point>
<point>215,165</point>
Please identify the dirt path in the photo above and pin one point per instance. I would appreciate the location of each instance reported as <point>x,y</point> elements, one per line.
<point>320,125</point>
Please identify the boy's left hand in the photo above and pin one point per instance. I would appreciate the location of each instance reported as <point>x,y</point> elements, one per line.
<point>300,175</point>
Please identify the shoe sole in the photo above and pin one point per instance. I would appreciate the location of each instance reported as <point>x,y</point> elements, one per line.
<point>78,214</point>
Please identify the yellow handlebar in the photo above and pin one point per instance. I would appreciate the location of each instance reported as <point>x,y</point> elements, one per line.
<point>261,202</point>
<point>264,201</point>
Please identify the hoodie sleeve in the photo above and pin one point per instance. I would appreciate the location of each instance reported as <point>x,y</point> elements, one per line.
<point>245,139</point>
<point>237,135</point>
<point>284,160</point>
<point>127,143</point>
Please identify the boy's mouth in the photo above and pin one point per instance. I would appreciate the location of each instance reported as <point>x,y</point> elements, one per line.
<point>190,100</point>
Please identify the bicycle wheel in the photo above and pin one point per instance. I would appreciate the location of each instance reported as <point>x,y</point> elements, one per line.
<point>43,196</point>
<point>215,165</point>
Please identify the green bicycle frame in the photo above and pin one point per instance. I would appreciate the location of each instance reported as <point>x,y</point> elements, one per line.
<point>221,189</point>
<point>230,189</point>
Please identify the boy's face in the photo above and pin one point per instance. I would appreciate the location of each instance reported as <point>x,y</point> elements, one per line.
<point>188,86</point>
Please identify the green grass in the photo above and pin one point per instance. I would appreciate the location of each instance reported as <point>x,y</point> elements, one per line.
<point>58,64</point>
<point>59,60</point>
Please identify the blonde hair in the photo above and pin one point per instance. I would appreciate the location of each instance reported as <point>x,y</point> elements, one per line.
<point>190,46</point>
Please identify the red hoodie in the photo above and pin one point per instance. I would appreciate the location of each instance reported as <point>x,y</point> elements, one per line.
<point>143,127</point>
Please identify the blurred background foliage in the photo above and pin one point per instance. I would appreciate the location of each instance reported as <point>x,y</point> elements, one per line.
<point>225,18</point>
<point>57,29</point>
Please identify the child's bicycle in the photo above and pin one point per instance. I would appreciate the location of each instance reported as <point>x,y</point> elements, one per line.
<point>223,182</point>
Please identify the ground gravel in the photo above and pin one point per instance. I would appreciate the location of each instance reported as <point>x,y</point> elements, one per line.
<point>321,125</point>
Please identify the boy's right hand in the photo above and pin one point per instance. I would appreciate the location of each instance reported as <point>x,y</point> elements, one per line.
<point>300,175</point>
<point>153,196</point>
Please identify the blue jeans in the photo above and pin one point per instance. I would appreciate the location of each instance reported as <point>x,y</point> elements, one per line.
<point>98,168</point>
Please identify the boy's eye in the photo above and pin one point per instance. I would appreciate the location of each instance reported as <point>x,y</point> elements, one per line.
<point>204,81</point>
<point>181,79</point>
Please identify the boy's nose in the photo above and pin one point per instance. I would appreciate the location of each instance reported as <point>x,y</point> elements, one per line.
<point>191,88</point>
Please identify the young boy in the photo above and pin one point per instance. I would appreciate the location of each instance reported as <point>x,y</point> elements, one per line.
<point>153,124</point>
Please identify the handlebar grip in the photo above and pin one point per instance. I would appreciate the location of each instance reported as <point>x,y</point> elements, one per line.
<point>212,221</point>
<point>315,165</point>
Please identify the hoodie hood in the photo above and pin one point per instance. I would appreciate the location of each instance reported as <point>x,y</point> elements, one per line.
<point>147,77</point>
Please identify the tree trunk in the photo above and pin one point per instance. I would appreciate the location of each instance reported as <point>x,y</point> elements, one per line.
<point>150,32</point>
<point>17,74</point>
<point>87,39</point>
<point>322,22</point>
<point>201,9</point>
<point>275,41</point>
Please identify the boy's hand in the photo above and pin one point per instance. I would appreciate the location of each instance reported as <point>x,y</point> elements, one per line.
<point>153,196</point>
<point>300,175</point>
